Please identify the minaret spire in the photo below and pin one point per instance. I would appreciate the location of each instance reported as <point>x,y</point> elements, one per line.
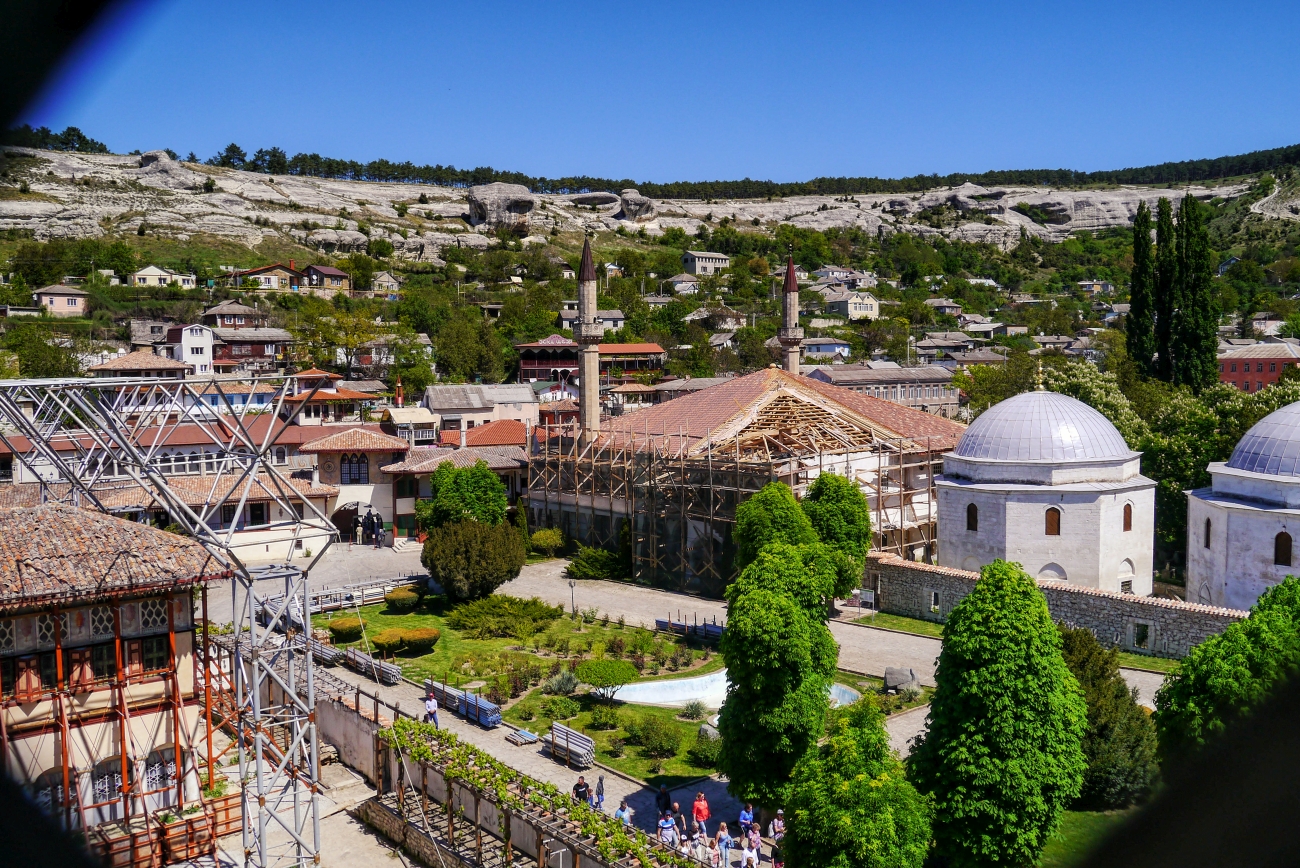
<point>790,334</point>
<point>588,331</point>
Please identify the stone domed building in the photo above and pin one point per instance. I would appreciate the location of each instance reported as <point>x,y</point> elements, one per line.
<point>1045,480</point>
<point>1241,530</point>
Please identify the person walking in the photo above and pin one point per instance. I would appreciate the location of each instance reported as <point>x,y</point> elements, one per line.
<point>663,801</point>
<point>599,801</point>
<point>714,856</point>
<point>623,813</point>
<point>668,829</point>
<point>755,838</point>
<point>748,855</point>
<point>725,842</point>
<point>700,811</point>
<point>379,530</point>
<point>356,529</point>
<point>582,790</point>
<point>680,818</point>
<point>776,831</point>
<point>431,711</point>
<point>700,847</point>
<point>746,819</point>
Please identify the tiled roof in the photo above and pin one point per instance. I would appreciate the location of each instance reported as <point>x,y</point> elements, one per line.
<point>356,440</point>
<point>318,373</point>
<point>327,270</point>
<point>60,289</point>
<point>500,432</point>
<point>140,360</point>
<point>427,460</point>
<point>550,341</point>
<point>81,554</point>
<point>708,413</point>
<point>232,307</point>
<point>251,335</point>
<point>332,394</point>
<point>627,349</point>
<point>200,435</point>
<point>1263,351</point>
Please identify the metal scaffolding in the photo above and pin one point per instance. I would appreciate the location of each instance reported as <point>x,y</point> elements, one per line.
<point>103,444</point>
<point>667,500</point>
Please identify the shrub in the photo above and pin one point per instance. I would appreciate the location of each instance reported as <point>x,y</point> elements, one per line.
<point>704,753</point>
<point>615,646</point>
<point>548,540</point>
<point>345,630</point>
<point>562,684</point>
<point>469,559</point>
<point>593,563</point>
<point>560,708</point>
<point>501,616</point>
<point>604,717</point>
<point>388,641</point>
<point>526,711</point>
<point>657,737</point>
<point>606,676</point>
<point>402,599</point>
<point>616,746</point>
<point>422,639</point>
<point>694,710</point>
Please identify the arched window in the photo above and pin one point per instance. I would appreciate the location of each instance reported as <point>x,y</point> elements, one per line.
<point>1207,533</point>
<point>194,462</point>
<point>354,470</point>
<point>159,771</point>
<point>106,782</point>
<point>1128,517</point>
<point>972,517</point>
<point>1282,549</point>
<point>1053,521</point>
<point>281,455</point>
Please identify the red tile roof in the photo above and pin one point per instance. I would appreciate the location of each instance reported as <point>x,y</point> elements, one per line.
<point>501,432</point>
<point>140,360</point>
<point>332,394</point>
<point>625,349</point>
<point>356,440</point>
<point>423,460</point>
<point>317,373</point>
<point>61,553</point>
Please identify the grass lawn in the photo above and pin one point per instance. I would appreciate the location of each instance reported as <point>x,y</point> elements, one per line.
<point>672,772</point>
<point>1142,661</point>
<point>903,624</point>
<point>1078,833</point>
<point>461,660</point>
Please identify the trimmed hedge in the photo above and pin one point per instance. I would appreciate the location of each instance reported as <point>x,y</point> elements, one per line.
<point>389,641</point>
<point>422,639</point>
<point>402,599</point>
<point>344,630</point>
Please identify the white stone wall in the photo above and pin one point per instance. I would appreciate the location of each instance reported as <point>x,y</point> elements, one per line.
<point>1238,564</point>
<point>1091,549</point>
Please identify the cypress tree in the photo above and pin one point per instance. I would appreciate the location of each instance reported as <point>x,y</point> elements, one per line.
<point>1139,326</point>
<point>1166,281</point>
<point>1195,325</point>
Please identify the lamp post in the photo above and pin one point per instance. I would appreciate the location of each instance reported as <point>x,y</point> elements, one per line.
<point>573,601</point>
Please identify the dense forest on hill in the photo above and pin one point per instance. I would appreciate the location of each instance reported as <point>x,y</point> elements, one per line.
<point>275,161</point>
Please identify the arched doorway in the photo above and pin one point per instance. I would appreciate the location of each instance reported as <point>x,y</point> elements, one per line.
<point>345,518</point>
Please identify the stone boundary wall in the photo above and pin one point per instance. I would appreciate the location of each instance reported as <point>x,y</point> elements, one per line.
<point>1145,625</point>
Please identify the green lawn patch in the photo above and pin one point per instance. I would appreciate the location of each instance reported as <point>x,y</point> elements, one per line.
<point>671,771</point>
<point>1141,661</point>
<point>1078,833</point>
<point>902,624</point>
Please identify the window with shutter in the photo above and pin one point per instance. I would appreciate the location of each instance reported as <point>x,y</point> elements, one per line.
<point>81,675</point>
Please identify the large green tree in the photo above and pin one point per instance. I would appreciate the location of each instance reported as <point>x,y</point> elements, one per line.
<point>1195,338</point>
<point>1228,675</point>
<point>470,559</point>
<point>850,804</point>
<point>770,515</point>
<point>459,493</point>
<point>1002,755</point>
<point>1120,742</point>
<point>780,656</point>
<point>1166,284</point>
<point>839,514</point>
<point>1139,325</point>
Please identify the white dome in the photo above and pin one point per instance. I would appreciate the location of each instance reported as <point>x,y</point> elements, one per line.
<point>1272,445</point>
<point>1042,426</point>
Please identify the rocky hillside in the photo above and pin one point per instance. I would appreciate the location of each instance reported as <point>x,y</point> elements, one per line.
<point>72,195</point>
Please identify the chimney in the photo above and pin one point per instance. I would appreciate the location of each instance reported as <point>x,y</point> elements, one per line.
<point>464,433</point>
<point>790,334</point>
<point>291,268</point>
<point>398,397</point>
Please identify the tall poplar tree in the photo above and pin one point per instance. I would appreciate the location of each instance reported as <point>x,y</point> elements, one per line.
<point>1195,325</point>
<point>1139,326</point>
<point>1166,282</point>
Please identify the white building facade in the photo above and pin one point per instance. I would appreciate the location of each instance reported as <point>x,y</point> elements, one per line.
<point>1046,481</point>
<point>1241,530</point>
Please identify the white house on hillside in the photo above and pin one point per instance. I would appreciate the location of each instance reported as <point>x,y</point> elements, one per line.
<point>154,275</point>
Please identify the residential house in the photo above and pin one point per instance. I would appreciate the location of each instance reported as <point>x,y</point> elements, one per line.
<point>853,305</point>
<point>60,300</point>
<point>1228,263</point>
<point>623,398</point>
<point>252,348</point>
<point>827,348</point>
<point>835,273</point>
<point>624,363</point>
<point>654,302</point>
<point>959,360</point>
<point>679,386</point>
<point>925,387</point>
<point>233,315</point>
<point>1256,367</point>
<point>325,280</point>
<point>722,341</point>
<point>610,320</point>
<point>500,432</point>
<point>192,344</point>
<point>416,425</point>
<point>386,285</point>
<point>684,284</point>
<point>411,476</point>
<point>148,333</point>
<point>1054,342</point>
<point>465,407</point>
<point>353,461</point>
<point>703,262</point>
<point>985,282</point>
<point>270,278</point>
<point>612,270</point>
<point>566,270</point>
<point>142,363</point>
<point>100,708</point>
<point>550,392</point>
<point>564,411</point>
<point>860,280</point>
<point>1092,287</point>
<point>153,275</point>
<point>718,317</point>
<point>551,359</point>
<point>944,306</point>
<point>318,397</point>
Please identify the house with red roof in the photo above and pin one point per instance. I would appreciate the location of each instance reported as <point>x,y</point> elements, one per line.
<point>352,460</point>
<point>320,396</point>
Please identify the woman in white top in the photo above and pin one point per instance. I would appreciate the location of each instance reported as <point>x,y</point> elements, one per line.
<point>748,856</point>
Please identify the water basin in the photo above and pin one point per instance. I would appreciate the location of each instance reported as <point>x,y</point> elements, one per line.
<point>710,689</point>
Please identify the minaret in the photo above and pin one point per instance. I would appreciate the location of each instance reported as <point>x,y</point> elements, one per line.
<point>790,334</point>
<point>588,331</point>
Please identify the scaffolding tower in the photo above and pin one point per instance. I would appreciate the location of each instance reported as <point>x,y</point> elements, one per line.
<point>102,444</point>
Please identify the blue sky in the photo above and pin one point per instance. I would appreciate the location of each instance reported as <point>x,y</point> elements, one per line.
<point>673,90</point>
